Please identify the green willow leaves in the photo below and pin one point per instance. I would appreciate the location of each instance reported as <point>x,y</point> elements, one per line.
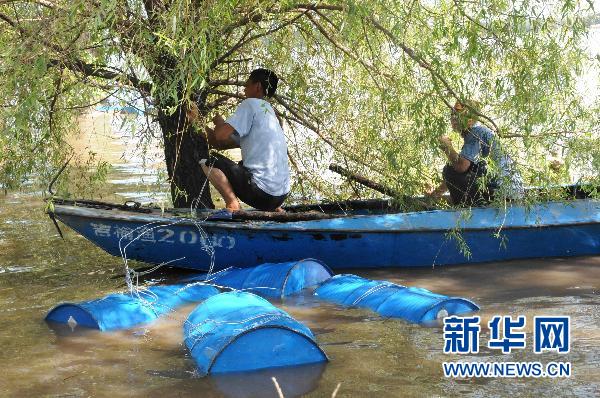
<point>364,84</point>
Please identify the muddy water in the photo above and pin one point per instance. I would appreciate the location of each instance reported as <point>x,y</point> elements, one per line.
<point>369,356</point>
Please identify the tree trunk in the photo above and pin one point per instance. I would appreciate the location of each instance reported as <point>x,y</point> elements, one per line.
<point>184,148</point>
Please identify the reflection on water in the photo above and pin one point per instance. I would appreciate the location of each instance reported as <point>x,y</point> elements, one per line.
<point>294,382</point>
<point>138,167</point>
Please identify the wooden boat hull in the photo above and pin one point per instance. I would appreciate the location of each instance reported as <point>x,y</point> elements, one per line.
<point>441,237</point>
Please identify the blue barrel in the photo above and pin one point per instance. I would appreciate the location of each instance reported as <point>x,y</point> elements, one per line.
<point>239,332</point>
<point>390,300</point>
<point>273,280</point>
<point>121,311</point>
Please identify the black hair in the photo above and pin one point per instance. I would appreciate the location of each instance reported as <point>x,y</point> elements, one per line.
<point>267,78</point>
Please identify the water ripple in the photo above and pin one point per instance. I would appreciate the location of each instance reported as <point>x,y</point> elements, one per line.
<point>14,269</point>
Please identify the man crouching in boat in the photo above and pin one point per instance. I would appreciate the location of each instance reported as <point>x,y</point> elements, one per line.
<point>262,178</point>
<point>466,175</point>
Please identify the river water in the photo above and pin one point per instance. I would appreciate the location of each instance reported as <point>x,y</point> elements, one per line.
<point>369,356</point>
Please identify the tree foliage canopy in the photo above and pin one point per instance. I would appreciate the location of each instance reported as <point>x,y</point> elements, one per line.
<point>365,84</point>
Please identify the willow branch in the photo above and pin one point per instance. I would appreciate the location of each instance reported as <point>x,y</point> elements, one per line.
<point>68,108</point>
<point>44,3</point>
<point>236,46</point>
<point>427,66</point>
<point>327,19</point>
<point>76,65</point>
<point>6,19</point>
<point>226,82</point>
<point>344,49</point>
<point>100,71</point>
<point>303,121</point>
<point>52,107</point>
<point>295,166</point>
<point>256,16</point>
<point>225,93</point>
<point>242,42</point>
<point>218,102</point>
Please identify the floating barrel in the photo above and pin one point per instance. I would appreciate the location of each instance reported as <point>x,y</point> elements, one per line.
<point>121,311</point>
<point>273,279</point>
<point>238,332</point>
<point>391,300</point>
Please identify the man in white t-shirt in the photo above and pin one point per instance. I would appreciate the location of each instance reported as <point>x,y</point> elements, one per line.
<point>262,178</point>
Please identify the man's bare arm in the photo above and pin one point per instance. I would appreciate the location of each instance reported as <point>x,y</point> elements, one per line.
<point>458,163</point>
<point>221,137</point>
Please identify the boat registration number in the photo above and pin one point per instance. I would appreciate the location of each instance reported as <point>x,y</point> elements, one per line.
<point>159,234</point>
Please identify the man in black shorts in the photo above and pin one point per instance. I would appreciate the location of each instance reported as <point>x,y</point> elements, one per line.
<point>262,178</point>
<point>240,180</point>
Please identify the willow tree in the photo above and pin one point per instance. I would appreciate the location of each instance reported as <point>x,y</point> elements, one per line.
<point>365,84</point>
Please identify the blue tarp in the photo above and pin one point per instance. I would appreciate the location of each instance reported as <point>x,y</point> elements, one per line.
<point>391,300</point>
<point>121,311</point>
<point>272,279</point>
<point>239,331</point>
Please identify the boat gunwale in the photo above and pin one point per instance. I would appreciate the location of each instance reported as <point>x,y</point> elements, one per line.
<point>291,227</point>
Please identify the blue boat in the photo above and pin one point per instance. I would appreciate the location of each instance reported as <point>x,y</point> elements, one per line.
<point>342,241</point>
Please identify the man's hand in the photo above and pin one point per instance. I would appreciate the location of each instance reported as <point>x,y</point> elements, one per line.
<point>220,137</point>
<point>438,192</point>
<point>210,134</point>
<point>218,120</point>
<point>445,142</point>
<point>192,112</point>
<point>459,163</point>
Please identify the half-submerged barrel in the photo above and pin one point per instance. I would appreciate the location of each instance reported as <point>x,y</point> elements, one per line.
<point>274,280</point>
<point>391,300</point>
<point>121,311</point>
<point>239,332</point>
